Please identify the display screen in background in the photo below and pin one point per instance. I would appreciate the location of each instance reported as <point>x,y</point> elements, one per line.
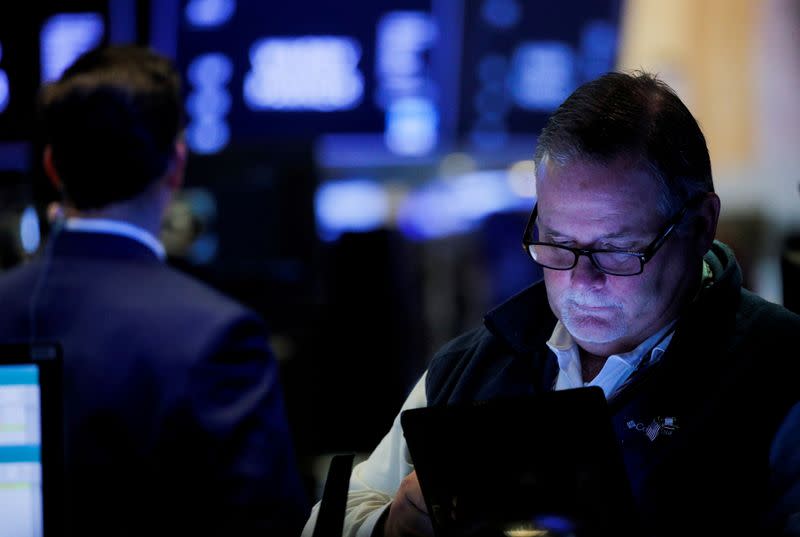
<point>418,73</point>
<point>20,452</point>
<point>264,71</point>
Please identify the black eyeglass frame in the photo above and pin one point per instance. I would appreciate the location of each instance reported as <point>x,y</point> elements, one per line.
<point>644,256</point>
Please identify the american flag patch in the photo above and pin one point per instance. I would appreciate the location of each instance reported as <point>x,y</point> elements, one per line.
<point>652,430</point>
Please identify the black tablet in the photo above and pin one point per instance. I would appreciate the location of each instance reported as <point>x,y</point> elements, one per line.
<point>544,465</point>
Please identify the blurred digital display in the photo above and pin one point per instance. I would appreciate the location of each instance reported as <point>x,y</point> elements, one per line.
<point>309,68</point>
<point>37,44</point>
<point>261,71</point>
<point>209,13</point>
<point>4,89</point>
<point>522,59</point>
<point>208,103</point>
<point>64,37</point>
<point>458,205</point>
<point>350,205</point>
<point>317,73</point>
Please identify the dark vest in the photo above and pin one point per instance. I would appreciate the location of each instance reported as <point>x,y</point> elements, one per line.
<point>695,428</point>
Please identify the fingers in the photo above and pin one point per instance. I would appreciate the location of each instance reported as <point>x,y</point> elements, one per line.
<point>413,493</point>
<point>408,515</point>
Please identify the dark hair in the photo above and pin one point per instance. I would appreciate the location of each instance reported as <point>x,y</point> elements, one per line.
<point>112,120</point>
<point>636,116</point>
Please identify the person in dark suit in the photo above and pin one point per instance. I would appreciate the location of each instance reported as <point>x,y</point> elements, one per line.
<point>175,421</point>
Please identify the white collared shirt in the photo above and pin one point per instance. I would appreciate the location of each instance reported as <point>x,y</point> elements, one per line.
<point>117,227</point>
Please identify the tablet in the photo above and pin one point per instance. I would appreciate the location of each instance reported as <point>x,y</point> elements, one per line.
<point>548,464</point>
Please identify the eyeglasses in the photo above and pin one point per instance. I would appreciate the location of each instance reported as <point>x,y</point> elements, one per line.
<point>613,262</point>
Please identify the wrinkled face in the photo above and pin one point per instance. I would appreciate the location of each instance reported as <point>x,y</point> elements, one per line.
<point>584,205</point>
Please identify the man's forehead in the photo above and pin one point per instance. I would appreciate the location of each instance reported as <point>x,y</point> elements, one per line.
<point>615,181</point>
<point>609,223</point>
<point>607,200</point>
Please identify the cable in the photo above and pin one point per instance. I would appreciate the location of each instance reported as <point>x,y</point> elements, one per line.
<point>47,261</point>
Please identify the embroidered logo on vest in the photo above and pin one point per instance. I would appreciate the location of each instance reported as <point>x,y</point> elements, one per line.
<point>659,426</point>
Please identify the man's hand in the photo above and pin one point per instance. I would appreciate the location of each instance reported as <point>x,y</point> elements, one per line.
<point>407,513</point>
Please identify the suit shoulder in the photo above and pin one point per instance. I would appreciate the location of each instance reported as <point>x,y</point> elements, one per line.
<point>17,275</point>
<point>198,294</point>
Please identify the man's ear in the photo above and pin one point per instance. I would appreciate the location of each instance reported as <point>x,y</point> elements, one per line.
<point>706,222</point>
<point>50,168</point>
<point>175,173</point>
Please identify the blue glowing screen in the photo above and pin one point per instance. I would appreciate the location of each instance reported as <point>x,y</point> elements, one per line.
<point>259,71</point>
<point>522,59</point>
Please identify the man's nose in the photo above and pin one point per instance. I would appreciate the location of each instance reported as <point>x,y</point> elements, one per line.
<point>585,274</point>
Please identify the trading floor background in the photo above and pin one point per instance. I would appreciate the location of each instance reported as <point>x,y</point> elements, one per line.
<point>360,171</point>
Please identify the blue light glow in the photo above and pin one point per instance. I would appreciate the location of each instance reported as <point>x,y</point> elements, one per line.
<point>402,38</point>
<point>406,91</point>
<point>305,73</point>
<point>208,103</point>
<point>542,74</point>
<point>407,30</point>
<point>66,36</point>
<point>411,126</point>
<point>209,13</point>
<point>458,205</point>
<point>350,205</point>
<point>207,135</point>
<point>29,233</point>
<point>213,69</point>
<point>4,90</point>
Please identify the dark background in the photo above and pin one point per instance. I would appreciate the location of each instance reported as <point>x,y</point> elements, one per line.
<point>356,315</point>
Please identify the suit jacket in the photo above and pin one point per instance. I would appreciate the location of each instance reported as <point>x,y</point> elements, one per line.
<point>174,417</point>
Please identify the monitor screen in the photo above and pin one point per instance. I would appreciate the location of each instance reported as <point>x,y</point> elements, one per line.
<point>275,71</point>
<point>31,440</point>
<point>418,74</point>
<point>20,451</point>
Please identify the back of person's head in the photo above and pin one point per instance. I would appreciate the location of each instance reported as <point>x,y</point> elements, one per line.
<point>634,116</point>
<point>111,121</point>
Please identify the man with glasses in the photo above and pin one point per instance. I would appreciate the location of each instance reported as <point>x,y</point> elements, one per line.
<point>638,299</point>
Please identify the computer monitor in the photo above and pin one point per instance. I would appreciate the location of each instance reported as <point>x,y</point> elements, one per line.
<point>31,440</point>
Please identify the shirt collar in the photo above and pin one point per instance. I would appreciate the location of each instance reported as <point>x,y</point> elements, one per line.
<point>617,367</point>
<point>120,228</point>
